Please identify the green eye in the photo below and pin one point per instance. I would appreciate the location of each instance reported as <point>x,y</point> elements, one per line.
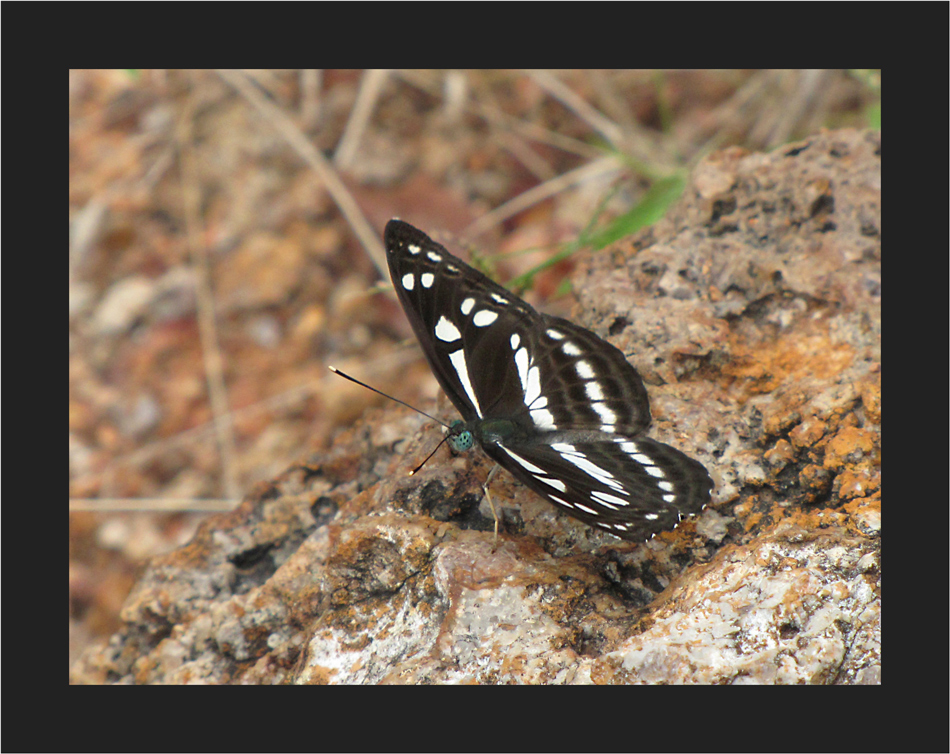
<point>461,442</point>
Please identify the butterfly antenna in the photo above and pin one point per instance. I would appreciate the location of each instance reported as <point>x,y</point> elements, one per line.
<point>385,395</point>
<point>416,470</point>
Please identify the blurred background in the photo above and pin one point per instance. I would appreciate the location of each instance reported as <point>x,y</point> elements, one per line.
<point>225,248</point>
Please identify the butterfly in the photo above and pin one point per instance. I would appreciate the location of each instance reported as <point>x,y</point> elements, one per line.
<point>557,406</point>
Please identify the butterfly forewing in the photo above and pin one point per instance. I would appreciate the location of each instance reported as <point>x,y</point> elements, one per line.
<point>463,318</point>
<point>550,401</point>
<point>439,294</point>
<point>587,382</point>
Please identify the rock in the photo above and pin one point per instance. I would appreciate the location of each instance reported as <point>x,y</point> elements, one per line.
<point>753,311</point>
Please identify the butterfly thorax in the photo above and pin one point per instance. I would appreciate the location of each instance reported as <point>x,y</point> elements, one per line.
<point>463,435</point>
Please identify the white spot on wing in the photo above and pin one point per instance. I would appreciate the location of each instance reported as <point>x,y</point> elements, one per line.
<point>543,419</point>
<point>408,281</point>
<point>531,385</point>
<point>413,249</point>
<point>461,369</point>
<point>584,370</point>
<point>594,391</point>
<point>588,467</point>
<point>521,361</point>
<point>515,341</point>
<point>611,501</point>
<point>522,462</point>
<point>609,417</point>
<point>630,448</point>
<point>555,335</point>
<point>570,349</point>
<point>532,390</point>
<point>484,318</point>
<point>433,256</point>
<point>584,508</point>
<point>427,279</point>
<point>555,483</point>
<point>467,305</point>
<point>446,331</point>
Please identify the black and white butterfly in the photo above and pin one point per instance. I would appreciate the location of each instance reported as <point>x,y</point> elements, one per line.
<point>551,402</point>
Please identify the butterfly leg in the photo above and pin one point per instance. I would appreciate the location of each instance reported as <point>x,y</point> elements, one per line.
<point>491,505</point>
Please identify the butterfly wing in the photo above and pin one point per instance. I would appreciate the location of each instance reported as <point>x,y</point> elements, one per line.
<point>444,300</point>
<point>630,487</point>
<point>496,356</point>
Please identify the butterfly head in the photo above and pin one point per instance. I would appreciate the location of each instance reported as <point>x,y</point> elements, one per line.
<point>460,437</point>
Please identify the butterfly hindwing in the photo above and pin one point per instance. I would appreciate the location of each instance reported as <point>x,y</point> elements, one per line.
<point>630,487</point>
<point>559,407</point>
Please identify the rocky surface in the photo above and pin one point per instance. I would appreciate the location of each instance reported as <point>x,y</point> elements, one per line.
<point>753,312</point>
